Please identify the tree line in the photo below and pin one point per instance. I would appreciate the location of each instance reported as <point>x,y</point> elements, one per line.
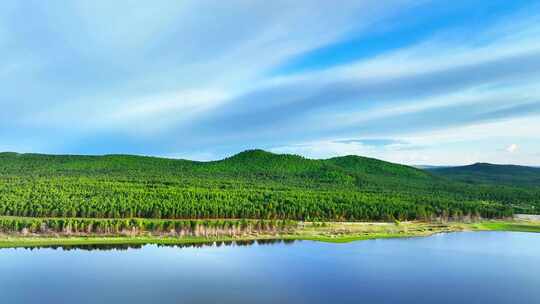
<point>83,226</point>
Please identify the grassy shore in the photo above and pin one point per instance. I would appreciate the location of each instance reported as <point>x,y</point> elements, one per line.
<point>324,232</point>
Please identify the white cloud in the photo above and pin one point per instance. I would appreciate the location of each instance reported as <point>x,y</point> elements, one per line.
<point>324,149</point>
<point>117,52</point>
<point>512,148</point>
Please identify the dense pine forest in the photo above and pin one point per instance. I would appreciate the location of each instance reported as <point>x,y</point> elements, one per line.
<point>253,184</point>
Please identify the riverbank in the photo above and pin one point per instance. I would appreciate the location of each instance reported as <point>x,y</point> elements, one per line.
<point>336,232</point>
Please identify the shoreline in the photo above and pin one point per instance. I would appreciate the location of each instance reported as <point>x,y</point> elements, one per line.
<point>334,232</point>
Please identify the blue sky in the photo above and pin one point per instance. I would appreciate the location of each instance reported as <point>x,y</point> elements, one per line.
<point>415,82</point>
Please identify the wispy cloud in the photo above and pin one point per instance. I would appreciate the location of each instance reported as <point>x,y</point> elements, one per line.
<point>171,79</point>
<point>376,142</point>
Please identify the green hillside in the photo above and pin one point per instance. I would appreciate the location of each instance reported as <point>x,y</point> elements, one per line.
<point>252,184</point>
<point>483,173</point>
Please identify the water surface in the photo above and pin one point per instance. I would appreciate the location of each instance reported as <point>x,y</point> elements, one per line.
<point>480,267</point>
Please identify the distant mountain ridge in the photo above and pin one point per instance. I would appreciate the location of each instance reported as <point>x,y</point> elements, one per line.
<point>263,163</point>
<point>478,173</point>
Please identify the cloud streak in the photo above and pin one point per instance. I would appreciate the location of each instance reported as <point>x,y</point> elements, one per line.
<point>174,79</point>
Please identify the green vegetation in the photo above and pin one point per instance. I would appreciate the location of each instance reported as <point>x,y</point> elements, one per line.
<point>251,185</point>
<point>509,226</point>
<point>87,226</point>
<point>482,173</point>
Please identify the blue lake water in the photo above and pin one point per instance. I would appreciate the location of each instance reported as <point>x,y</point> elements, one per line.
<point>475,267</point>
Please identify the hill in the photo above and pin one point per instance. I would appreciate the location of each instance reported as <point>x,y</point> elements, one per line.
<point>484,173</point>
<point>251,184</point>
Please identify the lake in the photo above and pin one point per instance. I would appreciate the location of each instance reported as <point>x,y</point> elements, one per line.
<point>469,267</point>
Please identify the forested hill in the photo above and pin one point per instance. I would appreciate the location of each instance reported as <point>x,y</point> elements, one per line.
<point>478,173</point>
<point>243,167</point>
<point>251,184</point>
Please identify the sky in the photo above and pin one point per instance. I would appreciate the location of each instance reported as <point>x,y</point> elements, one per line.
<point>407,81</point>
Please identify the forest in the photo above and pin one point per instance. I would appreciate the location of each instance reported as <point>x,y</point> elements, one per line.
<point>483,173</point>
<point>254,184</point>
<point>131,227</point>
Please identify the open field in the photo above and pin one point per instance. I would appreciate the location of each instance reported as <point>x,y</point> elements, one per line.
<point>336,232</point>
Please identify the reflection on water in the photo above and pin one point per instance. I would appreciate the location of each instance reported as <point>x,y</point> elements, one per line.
<point>107,247</point>
<point>483,267</point>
